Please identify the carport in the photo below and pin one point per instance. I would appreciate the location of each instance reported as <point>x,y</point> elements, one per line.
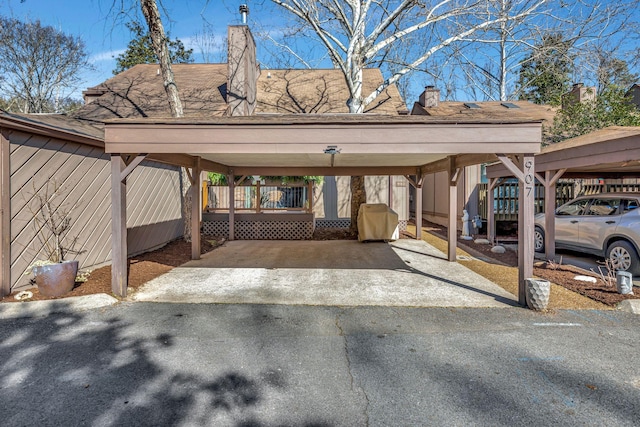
<point>613,152</point>
<point>327,145</point>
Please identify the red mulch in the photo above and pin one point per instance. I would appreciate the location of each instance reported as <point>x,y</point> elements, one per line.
<point>141,268</point>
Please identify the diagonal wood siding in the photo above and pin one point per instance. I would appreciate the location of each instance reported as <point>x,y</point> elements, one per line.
<point>83,173</point>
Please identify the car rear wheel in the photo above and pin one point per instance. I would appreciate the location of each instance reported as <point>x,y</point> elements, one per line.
<point>538,239</point>
<point>623,257</point>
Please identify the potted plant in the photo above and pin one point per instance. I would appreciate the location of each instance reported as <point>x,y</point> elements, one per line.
<point>53,274</point>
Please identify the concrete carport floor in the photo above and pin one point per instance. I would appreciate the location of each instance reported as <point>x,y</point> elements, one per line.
<point>406,273</point>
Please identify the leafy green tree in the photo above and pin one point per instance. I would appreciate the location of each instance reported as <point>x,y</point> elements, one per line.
<point>140,50</point>
<point>545,73</point>
<point>610,108</point>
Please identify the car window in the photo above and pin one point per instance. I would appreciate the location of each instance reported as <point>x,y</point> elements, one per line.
<point>629,205</point>
<point>603,207</point>
<point>573,208</point>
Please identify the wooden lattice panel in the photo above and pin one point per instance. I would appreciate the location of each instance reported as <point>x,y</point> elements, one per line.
<point>333,223</point>
<point>261,230</point>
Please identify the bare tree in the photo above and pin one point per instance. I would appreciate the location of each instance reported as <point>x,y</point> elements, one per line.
<point>362,33</point>
<point>160,46</point>
<point>210,45</point>
<point>490,60</point>
<point>485,40</point>
<point>40,65</point>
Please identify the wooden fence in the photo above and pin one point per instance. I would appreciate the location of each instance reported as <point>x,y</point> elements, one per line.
<point>260,198</point>
<point>588,189</point>
<point>505,201</point>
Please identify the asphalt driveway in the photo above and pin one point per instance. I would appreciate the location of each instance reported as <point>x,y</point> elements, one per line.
<point>406,273</point>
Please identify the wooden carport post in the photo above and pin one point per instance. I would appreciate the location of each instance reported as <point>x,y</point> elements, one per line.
<point>121,167</point>
<point>524,169</point>
<point>417,184</point>
<point>491,214</point>
<point>196,208</point>
<point>452,231</point>
<point>549,182</point>
<point>5,215</point>
<point>231,179</point>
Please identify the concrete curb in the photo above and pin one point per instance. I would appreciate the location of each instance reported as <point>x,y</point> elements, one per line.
<point>630,305</point>
<point>17,310</point>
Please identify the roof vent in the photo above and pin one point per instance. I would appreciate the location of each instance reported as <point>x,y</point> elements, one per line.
<point>244,11</point>
<point>472,105</point>
<point>509,105</point>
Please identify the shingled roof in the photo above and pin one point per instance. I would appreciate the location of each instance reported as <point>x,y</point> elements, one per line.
<point>490,110</point>
<point>321,91</point>
<point>138,92</point>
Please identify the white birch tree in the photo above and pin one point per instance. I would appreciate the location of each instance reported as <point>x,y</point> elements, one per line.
<point>362,33</point>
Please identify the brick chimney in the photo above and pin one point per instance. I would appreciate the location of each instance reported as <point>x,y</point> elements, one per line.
<point>579,93</point>
<point>243,70</point>
<point>430,98</point>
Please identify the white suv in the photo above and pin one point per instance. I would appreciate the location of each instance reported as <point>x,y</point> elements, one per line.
<point>605,224</point>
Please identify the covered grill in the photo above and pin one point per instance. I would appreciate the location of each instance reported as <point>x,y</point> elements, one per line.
<point>377,222</point>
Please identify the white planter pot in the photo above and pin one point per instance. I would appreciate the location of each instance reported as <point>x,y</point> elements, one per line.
<point>537,293</point>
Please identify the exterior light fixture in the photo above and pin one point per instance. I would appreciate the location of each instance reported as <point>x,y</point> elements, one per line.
<point>333,150</point>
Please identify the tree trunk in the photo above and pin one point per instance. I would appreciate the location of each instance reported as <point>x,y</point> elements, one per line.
<point>159,41</point>
<point>358,197</point>
<point>356,106</point>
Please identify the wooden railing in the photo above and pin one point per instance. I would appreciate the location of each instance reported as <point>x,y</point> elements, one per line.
<point>261,198</point>
<point>505,200</point>
<point>588,189</point>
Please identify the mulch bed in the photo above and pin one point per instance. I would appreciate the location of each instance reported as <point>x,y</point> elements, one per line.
<point>560,274</point>
<point>141,268</point>
<point>564,275</point>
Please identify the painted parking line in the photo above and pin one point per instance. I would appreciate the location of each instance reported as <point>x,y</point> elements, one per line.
<point>557,324</point>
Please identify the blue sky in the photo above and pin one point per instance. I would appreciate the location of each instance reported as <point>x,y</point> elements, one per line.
<point>105,35</point>
<point>105,38</point>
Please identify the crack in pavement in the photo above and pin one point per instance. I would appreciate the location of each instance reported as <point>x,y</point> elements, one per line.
<point>352,380</point>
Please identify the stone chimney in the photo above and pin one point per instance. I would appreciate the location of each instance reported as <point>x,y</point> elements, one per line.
<point>430,98</point>
<point>243,70</point>
<point>579,93</point>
